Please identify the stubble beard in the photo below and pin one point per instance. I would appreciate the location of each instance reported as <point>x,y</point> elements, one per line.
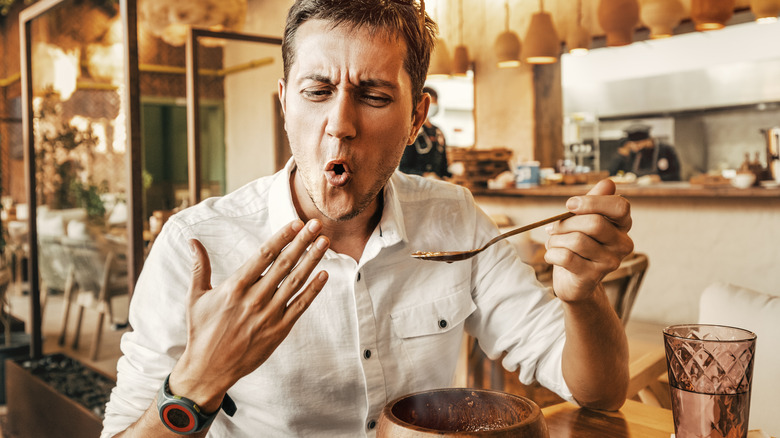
<point>363,203</point>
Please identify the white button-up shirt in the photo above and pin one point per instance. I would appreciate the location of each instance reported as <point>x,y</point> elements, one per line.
<point>382,327</point>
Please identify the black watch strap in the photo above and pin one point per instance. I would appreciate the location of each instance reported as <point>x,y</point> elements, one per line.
<point>184,416</point>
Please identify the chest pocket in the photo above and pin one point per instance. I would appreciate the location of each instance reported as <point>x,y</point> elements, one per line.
<point>436,317</point>
<point>431,333</point>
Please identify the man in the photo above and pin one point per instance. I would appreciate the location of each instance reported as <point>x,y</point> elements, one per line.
<point>339,224</point>
<point>643,155</point>
<point>427,156</point>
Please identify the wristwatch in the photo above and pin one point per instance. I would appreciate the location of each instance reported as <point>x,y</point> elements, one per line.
<point>184,416</point>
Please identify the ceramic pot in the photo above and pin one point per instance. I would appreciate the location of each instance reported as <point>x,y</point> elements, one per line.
<point>662,16</point>
<point>710,15</point>
<point>764,9</point>
<point>461,412</point>
<point>618,19</point>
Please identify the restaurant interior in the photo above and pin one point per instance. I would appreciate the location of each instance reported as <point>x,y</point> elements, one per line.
<point>116,114</point>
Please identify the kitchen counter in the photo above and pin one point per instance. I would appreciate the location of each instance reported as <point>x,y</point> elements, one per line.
<point>665,190</point>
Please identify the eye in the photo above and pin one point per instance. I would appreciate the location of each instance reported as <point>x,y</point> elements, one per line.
<point>316,94</point>
<point>375,100</point>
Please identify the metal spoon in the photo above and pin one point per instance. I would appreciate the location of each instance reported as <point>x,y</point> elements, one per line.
<point>453,256</point>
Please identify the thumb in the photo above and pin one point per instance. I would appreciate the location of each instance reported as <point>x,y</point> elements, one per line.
<point>201,269</point>
<point>603,187</point>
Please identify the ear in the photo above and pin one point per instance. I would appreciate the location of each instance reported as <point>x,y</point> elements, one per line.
<point>282,93</point>
<point>418,116</point>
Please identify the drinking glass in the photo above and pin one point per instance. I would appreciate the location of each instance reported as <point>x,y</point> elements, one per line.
<point>710,372</point>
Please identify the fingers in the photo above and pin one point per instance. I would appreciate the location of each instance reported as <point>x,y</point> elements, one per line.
<point>596,227</point>
<point>282,267</point>
<point>603,187</point>
<point>601,200</point>
<point>562,249</point>
<point>297,278</point>
<point>301,302</point>
<point>201,269</point>
<point>587,272</point>
<point>251,271</point>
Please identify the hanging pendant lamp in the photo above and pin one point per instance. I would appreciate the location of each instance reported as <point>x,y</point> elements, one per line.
<point>441,64</point>
<point>618,19</point>
<point>711,15</point>
<point>661,16</point>
<point>507,46</point>
<point>766,11</point>
<point>460,59</point>
<point>542,45</point>
<point>578,37</point>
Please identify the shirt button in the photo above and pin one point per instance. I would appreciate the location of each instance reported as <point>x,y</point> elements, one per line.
<point>443,323</point>
<point>367,354</point>
<point>371,424</point>
<point>358,277</point>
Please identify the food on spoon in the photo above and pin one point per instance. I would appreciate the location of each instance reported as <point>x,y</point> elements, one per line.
<point>428,253</point>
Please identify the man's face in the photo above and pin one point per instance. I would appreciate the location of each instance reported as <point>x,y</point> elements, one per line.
<point>638,145</point>
<point>348,116</point>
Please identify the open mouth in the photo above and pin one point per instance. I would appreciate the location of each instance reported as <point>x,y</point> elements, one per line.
<point>337,173</point>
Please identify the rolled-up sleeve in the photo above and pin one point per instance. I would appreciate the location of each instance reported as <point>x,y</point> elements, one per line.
<point>516,315</point>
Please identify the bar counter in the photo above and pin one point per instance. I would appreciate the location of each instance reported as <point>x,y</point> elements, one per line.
<point>660,190</point>
<point>693,236</point>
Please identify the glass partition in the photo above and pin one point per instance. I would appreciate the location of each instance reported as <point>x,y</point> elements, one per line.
<point>249,71</point>
<point>81,157</point>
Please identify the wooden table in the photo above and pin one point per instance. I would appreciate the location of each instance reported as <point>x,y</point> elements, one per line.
<point>634,420</point>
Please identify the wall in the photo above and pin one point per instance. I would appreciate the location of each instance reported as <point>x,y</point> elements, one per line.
<point>249,96</point>
<point>728,135</point>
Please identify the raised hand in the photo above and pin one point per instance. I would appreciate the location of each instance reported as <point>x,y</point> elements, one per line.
<point>233,328</point>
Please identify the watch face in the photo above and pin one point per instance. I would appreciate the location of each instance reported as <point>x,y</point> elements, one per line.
<point>178,419</point>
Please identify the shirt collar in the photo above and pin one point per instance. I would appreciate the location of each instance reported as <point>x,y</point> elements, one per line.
<point>281,207</point>
<point>390,230</point>
<point>391,226</point>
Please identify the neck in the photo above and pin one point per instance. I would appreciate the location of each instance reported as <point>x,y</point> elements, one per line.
<point>348,236</point>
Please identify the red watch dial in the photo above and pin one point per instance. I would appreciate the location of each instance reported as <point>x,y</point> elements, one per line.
<point>179,419</point>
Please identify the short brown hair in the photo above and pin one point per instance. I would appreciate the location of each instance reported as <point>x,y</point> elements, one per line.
<point>396,17</point>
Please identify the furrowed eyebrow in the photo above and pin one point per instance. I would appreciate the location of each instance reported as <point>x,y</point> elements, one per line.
<point>365,83</point>
<point>369,83</point>
<point>318,78</point>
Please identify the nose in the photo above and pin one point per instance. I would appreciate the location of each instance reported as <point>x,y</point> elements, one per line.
<point>342,118</point>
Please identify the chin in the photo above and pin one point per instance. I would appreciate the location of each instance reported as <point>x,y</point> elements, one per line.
<point>338,214</point>
<point>337,208</point>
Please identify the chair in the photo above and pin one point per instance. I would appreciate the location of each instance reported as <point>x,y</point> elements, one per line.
<point>622,285</point>
<point>54,267</point>
<point>647,379</point>
<point>731,305</point>
<point>100,273</point>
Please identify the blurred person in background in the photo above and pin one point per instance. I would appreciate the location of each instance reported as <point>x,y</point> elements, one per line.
<point>643,154</point>
<point>427,156</point>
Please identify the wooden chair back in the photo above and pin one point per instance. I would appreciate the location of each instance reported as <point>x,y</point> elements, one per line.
<point>622,285</point>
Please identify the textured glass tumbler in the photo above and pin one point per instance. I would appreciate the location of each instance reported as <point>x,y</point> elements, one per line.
<point>710,371</point>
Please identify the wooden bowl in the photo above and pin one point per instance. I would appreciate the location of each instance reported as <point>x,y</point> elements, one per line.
<point>461,412</point>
